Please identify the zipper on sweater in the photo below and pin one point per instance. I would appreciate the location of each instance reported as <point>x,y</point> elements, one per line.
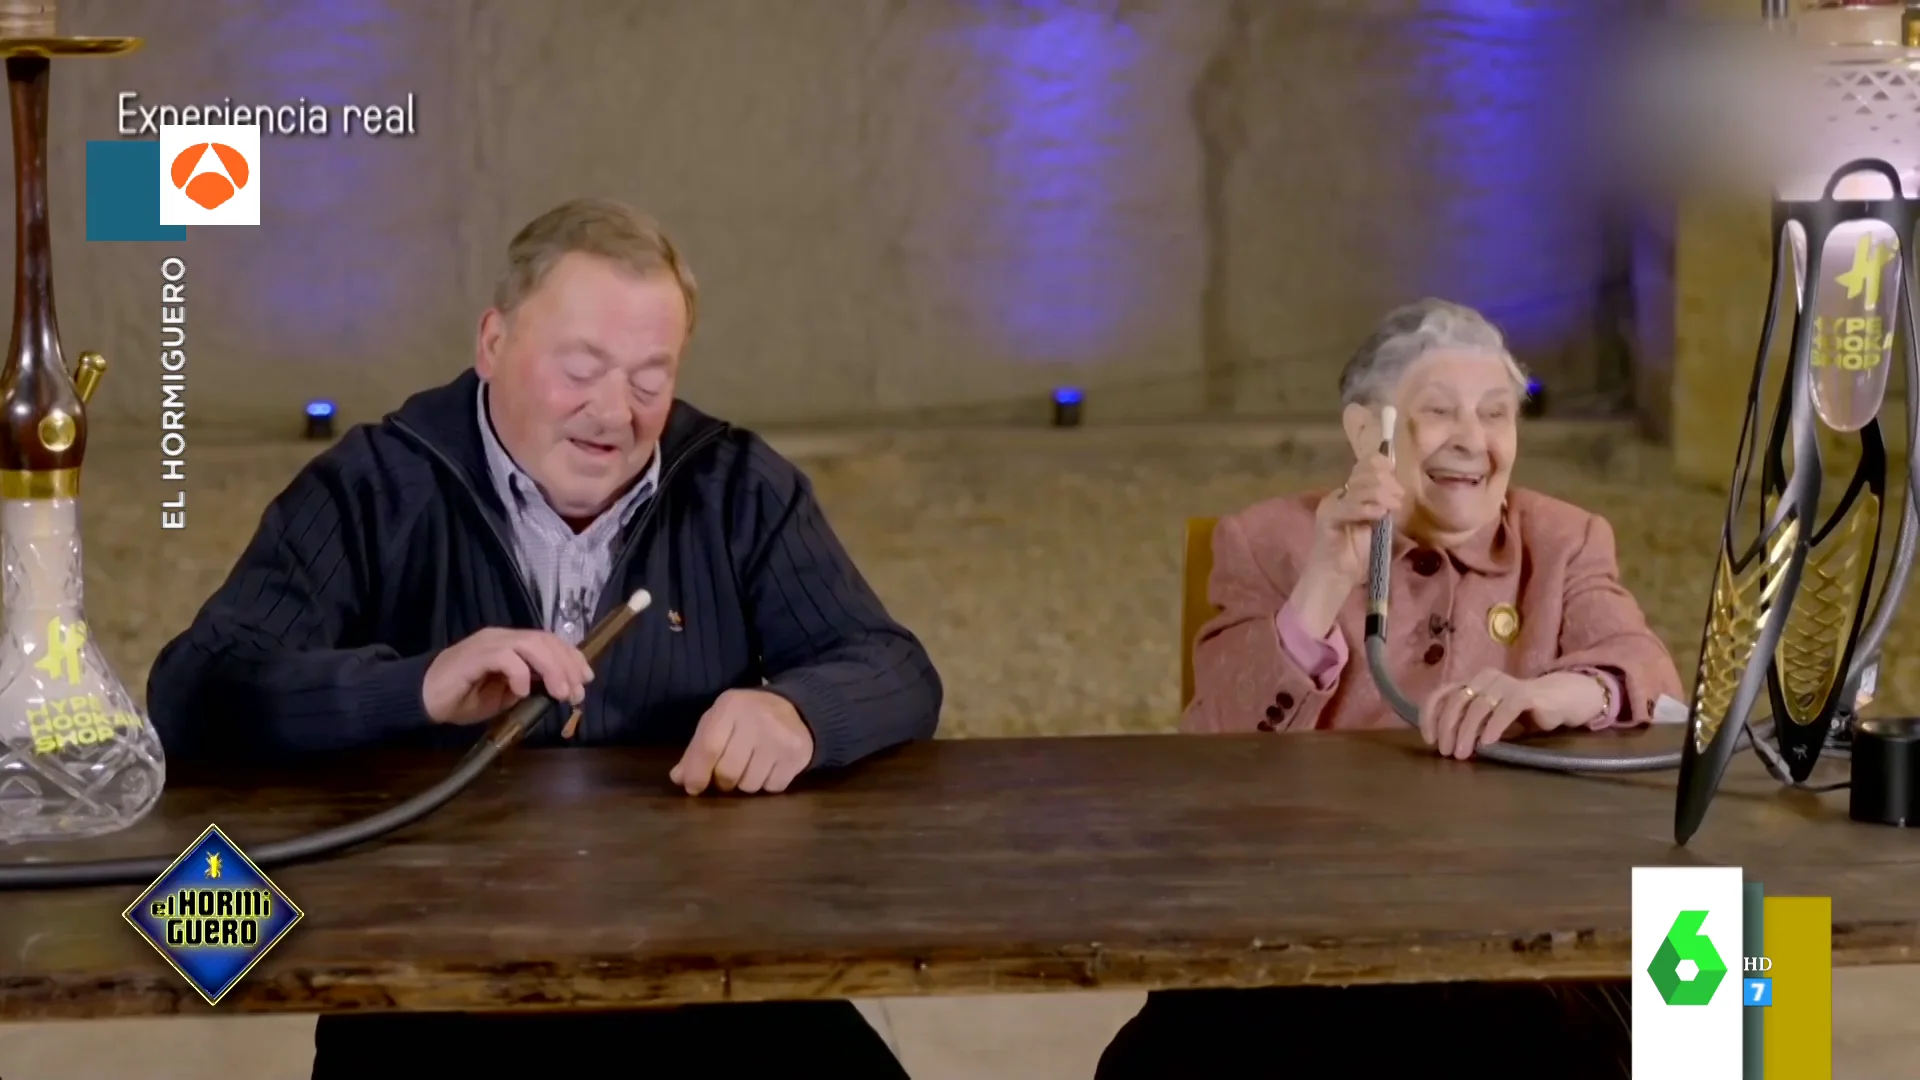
<point>493,528</point>
<point>619,569</point>
<point>618,572</point>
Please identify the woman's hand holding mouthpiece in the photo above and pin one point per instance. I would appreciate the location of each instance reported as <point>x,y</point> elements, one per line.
<point>1343,541</point>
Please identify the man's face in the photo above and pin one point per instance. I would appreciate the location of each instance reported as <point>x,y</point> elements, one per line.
<point>582,377</point>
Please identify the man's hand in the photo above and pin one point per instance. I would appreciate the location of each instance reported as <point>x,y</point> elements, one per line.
<point>1459,718</point>
<point>750,741</point>
<point>475,679</point>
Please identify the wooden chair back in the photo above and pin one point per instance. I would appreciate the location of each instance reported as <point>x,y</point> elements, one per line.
<point>1195,608</point>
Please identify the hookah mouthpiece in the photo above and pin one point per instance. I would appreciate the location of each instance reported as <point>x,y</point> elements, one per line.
<point>514,726</point>
<point>1380,559</point>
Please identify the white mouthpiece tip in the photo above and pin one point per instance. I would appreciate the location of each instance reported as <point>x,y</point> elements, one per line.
<point>639,601</point>
<point>1388,418</point>
<point>1671,710</point>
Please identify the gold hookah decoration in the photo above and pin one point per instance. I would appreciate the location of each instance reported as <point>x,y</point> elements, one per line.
<point>1744,593</point>
<point>43,440</point>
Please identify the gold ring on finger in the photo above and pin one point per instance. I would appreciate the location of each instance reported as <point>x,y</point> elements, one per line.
<point>1469,691</point>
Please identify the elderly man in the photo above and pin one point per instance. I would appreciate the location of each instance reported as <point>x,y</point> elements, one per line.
<point>434,568</point>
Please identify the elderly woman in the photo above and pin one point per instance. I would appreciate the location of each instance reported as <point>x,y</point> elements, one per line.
<point>1508,618</point>
<point>1508,612</point>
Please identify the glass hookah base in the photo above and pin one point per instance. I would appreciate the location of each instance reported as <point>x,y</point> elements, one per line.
<point>77,756</point>
<point>71,796</point>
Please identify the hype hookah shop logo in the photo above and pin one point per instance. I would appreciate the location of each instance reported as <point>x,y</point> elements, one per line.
<point>213,915</point>
<point>1687,969</point>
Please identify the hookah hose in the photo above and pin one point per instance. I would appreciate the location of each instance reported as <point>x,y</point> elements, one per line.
<point>507,730</point>
<point>1379,566</point>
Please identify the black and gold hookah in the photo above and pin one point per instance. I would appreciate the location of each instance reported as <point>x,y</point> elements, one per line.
<point>1801,601</point>
<point>1795,616</point>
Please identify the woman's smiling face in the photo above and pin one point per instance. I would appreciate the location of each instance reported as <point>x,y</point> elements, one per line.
<point>1459,431</point>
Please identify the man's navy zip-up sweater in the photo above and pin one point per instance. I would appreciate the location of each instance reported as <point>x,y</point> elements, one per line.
<point>393,545</point>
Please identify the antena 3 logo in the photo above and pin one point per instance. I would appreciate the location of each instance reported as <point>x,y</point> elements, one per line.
<point>209,174</point>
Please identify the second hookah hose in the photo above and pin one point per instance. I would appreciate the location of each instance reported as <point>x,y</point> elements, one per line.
<point>1379,577</point>
<point>507,730</point>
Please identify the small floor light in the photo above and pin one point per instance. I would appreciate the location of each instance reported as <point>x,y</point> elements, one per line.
<point>1066,407</point>
<point>320,419</point>
<point>1535,406</point>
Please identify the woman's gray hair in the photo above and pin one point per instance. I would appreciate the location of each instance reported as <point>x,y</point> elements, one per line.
<point>1412,331</point>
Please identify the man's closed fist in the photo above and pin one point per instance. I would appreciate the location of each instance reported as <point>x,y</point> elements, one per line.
<point>750,741</point>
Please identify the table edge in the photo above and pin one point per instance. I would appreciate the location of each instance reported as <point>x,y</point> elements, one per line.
<point>609,981</point>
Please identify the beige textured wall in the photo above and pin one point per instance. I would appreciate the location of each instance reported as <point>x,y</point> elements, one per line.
<point>897,207</point>
<point>1722,260</point>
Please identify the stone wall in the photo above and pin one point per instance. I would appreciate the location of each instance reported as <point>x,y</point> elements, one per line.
<point>899,208</point>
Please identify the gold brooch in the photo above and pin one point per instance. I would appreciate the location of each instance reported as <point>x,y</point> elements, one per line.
<point>1503,623</point>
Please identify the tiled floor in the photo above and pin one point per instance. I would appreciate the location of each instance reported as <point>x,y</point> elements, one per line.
<point>1055,1037</point>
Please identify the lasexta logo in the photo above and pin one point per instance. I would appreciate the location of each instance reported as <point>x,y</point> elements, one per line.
<point>1686,947</point>
<point>206,186</point>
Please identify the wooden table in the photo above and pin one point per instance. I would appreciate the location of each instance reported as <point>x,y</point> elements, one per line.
<point>581,879</point>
